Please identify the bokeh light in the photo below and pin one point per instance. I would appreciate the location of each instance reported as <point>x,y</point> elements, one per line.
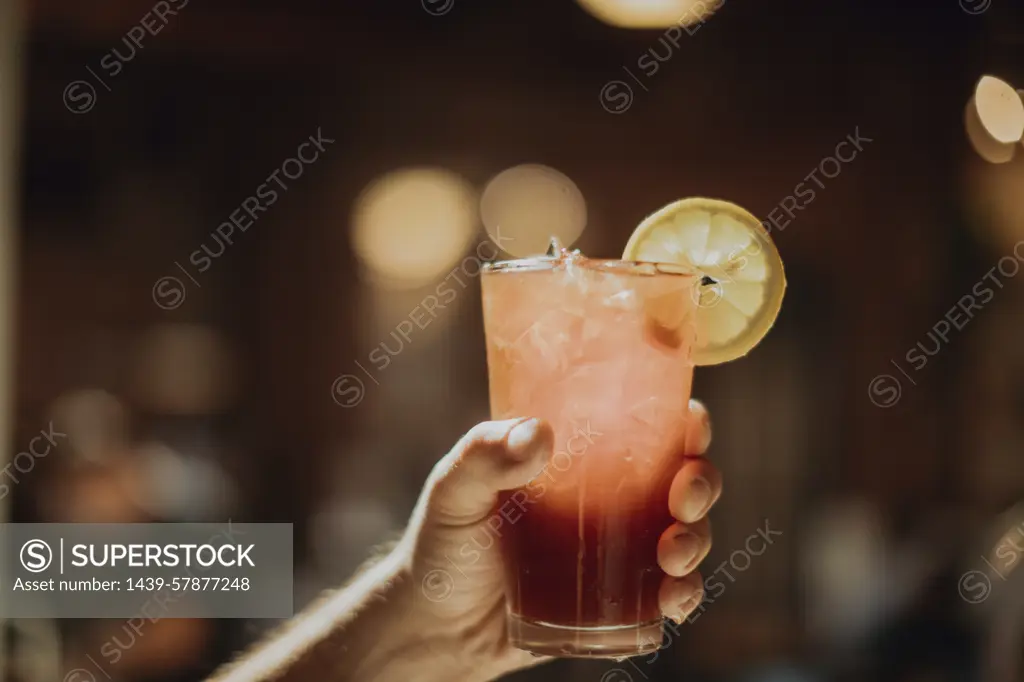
<point>95,421</point>
<point>1000,109</point>
<point>1020,93</point>
<point>525,206</point>
<point>996,202</point>
<point>987,147</point>
<point>412,225</point>
<point>178,485</point>
<point>650,13</point>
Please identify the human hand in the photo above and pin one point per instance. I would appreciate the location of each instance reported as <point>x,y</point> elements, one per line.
<point>460,604</point>
<point>424,613</point>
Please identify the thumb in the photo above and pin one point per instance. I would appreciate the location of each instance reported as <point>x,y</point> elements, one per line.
<point>493,456</point>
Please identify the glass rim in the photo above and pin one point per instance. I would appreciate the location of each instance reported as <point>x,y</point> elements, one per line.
<point>609,265</point>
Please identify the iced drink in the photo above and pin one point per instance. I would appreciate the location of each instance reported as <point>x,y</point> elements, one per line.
<point>602,351</point>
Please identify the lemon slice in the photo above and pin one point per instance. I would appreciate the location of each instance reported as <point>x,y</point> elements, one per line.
<point>740,293</point>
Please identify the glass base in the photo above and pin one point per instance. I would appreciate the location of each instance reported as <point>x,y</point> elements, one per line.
<point>615,641</point>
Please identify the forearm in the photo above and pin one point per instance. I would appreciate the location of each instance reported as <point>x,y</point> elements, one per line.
<point>408,618</point>
<point>361,632</point>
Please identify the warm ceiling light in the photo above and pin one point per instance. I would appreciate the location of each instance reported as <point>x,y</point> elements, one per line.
<point>525,206</point>
<point>411,225</point>
<point>984,144</point>
<point>1000,109</point>
<point>650,13</point>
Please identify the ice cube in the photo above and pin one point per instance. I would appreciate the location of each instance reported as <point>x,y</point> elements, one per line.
<point>646,412</point>
<point>551,343</point>
<point>623,300</point>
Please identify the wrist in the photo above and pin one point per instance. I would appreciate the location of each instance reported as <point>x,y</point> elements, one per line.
<point>395,636</point>
<point>416,641</point>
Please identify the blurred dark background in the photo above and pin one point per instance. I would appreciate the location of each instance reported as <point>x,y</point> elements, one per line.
<point>192,393</point>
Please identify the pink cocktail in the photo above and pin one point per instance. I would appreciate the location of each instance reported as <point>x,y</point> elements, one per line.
<point>602,351</point>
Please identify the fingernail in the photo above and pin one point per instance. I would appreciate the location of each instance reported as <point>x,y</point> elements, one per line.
<point>698,499</point>
<point>700,438</point>
<point>522,439</point>
<point>689,546</point>
<point>687,607</point>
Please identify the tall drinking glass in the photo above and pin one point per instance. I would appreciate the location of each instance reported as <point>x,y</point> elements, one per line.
<point>602,351</point>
